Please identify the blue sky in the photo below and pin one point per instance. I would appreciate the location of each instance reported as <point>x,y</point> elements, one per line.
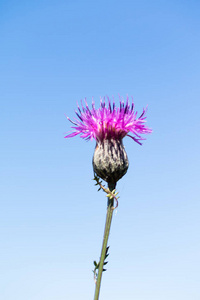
<point>53,54</point>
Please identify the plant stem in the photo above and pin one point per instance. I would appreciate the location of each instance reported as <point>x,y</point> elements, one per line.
<point>110,209</point>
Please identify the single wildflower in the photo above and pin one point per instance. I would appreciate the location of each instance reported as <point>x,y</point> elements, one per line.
<point>108,125</point>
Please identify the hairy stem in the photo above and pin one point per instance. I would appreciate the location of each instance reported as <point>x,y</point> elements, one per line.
<point>110,209</point>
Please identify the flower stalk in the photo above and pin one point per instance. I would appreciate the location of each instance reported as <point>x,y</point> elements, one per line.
<point>110,209</point>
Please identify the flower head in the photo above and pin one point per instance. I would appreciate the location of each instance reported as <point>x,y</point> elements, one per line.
<point>108,125</point>
<point>109,122</point>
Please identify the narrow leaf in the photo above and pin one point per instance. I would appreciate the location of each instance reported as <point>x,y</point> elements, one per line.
<point>95,263</point>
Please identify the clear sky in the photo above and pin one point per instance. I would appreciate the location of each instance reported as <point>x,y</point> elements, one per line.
<point>53,54</point>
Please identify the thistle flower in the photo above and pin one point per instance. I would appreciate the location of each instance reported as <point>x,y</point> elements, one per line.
<point>108,125</point>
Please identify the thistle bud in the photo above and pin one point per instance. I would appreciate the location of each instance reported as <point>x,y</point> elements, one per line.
<point>110,161</point>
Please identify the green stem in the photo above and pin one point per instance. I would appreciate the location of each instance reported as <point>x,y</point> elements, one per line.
<point>110,209</point>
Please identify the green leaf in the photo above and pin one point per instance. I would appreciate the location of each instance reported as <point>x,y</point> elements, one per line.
<point>104,270</point>
<point>95,263</point>
<point>105,263</point>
